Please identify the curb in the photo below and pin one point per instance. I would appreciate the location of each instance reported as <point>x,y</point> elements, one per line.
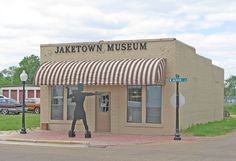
<point>48,141</point>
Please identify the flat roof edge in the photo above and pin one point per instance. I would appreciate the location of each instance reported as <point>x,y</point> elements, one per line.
<point>110,41</point>
<point>218,67</point>
<point>186,44</point>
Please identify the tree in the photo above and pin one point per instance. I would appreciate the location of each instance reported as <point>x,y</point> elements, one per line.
<point>7,75</point>
<point>4,81</point>
<point>30,64</point>
<point>9,72</point>
<point>11,75</point>
<point>230,86</point>
<point>16,77</point>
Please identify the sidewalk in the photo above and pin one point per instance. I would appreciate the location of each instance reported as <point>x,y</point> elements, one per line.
<point>98,139</point>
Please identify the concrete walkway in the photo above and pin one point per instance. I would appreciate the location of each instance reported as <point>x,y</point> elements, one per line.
<point>98,139</point>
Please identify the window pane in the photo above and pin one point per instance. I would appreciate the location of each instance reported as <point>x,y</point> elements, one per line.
<point>104,103</point>
<point>134,104</point>
<point>70,104</point>
<point>57,103</point>
<point>153,104</point>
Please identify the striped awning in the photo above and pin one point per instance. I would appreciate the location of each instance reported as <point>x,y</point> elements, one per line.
<point>102,72</point>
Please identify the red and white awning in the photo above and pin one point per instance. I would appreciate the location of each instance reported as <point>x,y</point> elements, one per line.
<point>103,72</point>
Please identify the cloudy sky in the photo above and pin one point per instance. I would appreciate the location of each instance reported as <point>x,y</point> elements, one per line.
<point>207,25</point>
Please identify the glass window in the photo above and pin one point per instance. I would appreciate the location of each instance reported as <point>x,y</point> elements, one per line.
<point>153,104</point>
<point>104,103</point>
<point>57,103</point>
<point>134,110</point>
<point>70,104</point>
<point>11,101</point>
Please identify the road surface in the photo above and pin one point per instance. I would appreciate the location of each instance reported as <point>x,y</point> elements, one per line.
<point>222,148</point>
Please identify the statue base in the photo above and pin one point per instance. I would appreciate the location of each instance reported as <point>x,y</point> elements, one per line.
<point>87,134</point>
<point>71,134</point>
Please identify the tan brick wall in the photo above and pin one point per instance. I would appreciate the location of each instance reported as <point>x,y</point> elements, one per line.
<point>203,91</point>
<point>45,104</point>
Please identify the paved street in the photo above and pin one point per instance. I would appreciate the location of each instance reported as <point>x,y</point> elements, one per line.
<point>221,148</point>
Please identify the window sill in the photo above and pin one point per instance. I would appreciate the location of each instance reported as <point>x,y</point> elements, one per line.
<point>58,121</point>
<point>144,125</point>
<point>64,121</point>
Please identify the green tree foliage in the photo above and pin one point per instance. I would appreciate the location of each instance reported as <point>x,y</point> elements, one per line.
<point>9,72</point>
<point>230,86</point>
<point>11,76</point>
<point>6,75</point>
<point>16,77</point>
<point>30,64</point>
<point>4,81</point>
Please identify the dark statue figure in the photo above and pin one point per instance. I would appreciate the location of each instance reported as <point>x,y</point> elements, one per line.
<point>79,113</point>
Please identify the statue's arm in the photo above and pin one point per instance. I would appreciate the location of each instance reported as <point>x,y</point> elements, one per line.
<point>92,94</point>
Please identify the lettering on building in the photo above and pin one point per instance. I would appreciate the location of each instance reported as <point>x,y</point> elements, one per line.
<point>111,47</point>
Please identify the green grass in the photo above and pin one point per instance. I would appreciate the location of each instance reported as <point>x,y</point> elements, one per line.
<point>14,122</point>
<point>214,128</point>
<point>231,109</point>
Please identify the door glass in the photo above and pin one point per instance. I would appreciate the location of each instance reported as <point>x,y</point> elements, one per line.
<point>104,103</point>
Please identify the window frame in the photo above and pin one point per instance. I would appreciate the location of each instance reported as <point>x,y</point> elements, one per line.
<point>144,109</point>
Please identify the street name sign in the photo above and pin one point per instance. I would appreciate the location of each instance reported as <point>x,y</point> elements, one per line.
<point>178,79</point>
<point>174,80</point>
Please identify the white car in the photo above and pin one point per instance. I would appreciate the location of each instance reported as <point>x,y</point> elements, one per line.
<point>1,96</point>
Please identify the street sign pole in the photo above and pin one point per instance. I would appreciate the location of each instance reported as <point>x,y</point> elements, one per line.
<point>177,80</point>
<point>177,133</point>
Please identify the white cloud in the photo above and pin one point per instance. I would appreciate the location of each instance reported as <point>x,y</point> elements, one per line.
<point>219,44</point>
<point>25,24</point>
<point>221,17</point>
<point>229,66</point>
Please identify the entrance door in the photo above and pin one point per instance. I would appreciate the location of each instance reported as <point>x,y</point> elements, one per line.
<point>103,111</point>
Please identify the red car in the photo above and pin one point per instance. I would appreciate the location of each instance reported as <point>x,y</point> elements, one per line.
<point>8,105</point>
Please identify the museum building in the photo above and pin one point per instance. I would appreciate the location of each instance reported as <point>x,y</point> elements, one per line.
<point>133,77</point>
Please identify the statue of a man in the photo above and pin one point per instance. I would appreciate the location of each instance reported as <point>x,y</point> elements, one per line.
<point>79,113</point>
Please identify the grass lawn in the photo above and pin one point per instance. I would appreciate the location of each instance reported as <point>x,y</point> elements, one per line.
<point>14,122</point>
<point>231,109</point>
<point>214,128</point>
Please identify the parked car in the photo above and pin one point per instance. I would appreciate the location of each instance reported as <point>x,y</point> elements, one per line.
<point>33,104</point>
<point>1,96</point>
<point>10,105</point>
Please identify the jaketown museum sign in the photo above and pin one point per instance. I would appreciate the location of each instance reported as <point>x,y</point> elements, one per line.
<point>83,48</point>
